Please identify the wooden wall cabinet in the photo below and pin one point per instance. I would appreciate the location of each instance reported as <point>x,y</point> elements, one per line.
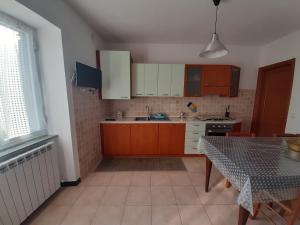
<point>144,139</point>
<point>151,76</point>
<point>171,139</point>
<point>193,80</point>
<point>138,79</point>
<point>222,80</point>
<point>203,80</point>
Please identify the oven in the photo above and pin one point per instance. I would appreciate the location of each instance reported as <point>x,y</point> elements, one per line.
<point>218,129</point>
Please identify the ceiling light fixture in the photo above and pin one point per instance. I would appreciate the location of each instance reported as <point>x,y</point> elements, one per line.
<point>215,48</point>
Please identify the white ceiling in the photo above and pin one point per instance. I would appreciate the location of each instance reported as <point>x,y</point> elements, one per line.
<point>241,22</point>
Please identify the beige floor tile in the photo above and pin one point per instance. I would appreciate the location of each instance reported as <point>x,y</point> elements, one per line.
<point>160,179</point>
<point>115,195</point>
<point>91,195</point>
<point>121,179</point>
<point>140,215</point>
<point>179,178</point>
<point>67,196</point>
<point>165,215</point>
<point>98,179</point>
<point>162,196</point>
<point>141,179</point>
<point>186,195</point>
<point>52,215</point>
<point>193,164</point>
<point>139,196</point>
<point>222,214</point>
<point>217,195</point>
<point>108,215</point>
<point>193,215</point>
<point>81,215</point>
<point>197,179</point>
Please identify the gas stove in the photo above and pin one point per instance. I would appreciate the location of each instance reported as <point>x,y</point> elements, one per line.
<point>214,118</point>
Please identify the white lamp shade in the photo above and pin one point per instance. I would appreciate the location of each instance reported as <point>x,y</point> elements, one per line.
<point>214,49</point>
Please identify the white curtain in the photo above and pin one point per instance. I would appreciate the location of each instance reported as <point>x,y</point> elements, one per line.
<point>21,103</point>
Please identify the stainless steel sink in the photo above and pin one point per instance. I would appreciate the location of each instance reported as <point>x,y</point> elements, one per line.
<point>142,118</point>
<point>150,119</point>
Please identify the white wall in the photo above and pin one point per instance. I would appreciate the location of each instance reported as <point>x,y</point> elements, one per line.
<point>245,57</point>
<point>79,43</point>
<point>282,49</point>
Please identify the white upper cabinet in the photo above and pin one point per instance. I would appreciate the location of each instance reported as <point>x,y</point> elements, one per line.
<point>164,79</point>
<point>115,66</point>
<point>151,77</point>
<point>177,80</point>
<point>138,79</point>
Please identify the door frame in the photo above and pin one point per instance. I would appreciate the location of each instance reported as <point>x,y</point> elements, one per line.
<point>261,72</point>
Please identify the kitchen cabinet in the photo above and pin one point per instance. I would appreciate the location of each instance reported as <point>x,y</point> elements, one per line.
<point>144,139</point>
<point>193,77</point>
<point>177,80</point>
<point>138,79</point>
<point>151,77</point>
<point>164,79</point>
<point>158,80</point>
<point>171,139</point>
<point>222,80</point>
<point>194,130</point>
<point>115,67</point>
<point>115,139</point>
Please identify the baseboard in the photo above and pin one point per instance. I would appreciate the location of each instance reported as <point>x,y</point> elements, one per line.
<point>70,183</point>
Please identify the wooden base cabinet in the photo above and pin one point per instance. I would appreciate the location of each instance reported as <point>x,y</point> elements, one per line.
<point>150,139</point>
<point>144,139</point>
<point>115,139</point>
<point>171,139</point>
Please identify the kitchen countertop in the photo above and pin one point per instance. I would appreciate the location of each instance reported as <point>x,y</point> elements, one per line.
<point>129,120</point>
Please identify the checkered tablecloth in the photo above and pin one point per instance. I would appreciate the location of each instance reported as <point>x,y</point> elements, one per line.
<point>258,167</point>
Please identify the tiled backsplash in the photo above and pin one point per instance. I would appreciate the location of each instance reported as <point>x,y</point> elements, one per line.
<point>88,112</point>
<point>241,107</point>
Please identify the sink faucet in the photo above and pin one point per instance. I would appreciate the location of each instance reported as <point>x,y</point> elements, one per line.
<point>148,111</point>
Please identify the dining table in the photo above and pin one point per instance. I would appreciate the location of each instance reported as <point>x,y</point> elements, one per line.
<point>258,167</point>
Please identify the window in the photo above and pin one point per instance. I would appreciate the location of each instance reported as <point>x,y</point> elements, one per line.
<point>21,103</point>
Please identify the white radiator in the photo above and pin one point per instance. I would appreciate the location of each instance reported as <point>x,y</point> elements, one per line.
<point>26,181</point>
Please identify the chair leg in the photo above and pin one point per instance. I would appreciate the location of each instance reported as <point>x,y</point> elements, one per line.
<point>227,184</point>
<point>256,211</point>
<point>207,173</point>
<point>295,212</point>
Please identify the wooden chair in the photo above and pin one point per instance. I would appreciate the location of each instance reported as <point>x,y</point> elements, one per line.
<point>237,134</point>
<point>292,208</point>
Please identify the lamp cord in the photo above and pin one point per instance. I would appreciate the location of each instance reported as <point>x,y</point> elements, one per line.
<point>217,7</point>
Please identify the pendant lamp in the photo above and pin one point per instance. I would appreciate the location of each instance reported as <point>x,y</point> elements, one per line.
<point>215,48</point>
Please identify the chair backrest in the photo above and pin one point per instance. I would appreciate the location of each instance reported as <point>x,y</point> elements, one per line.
<point>286,135</point>
<point>240,134</point>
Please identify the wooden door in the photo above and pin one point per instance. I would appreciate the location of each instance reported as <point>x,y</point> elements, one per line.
<point>164,79</point>
<point>138,79</point>
<point>151,76</point>
<point>177,80</point>
<point>115,139</point>
<point>171,139</point>
<point>144,139</point>
<point>274,87</point>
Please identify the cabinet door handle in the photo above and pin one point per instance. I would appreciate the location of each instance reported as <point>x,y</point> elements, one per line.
<point>150,94</point>
<point>165,94</point>
<point>139,94</point>
<point>124,97</point>
<point>176,95</point>
<point>195,133</point>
